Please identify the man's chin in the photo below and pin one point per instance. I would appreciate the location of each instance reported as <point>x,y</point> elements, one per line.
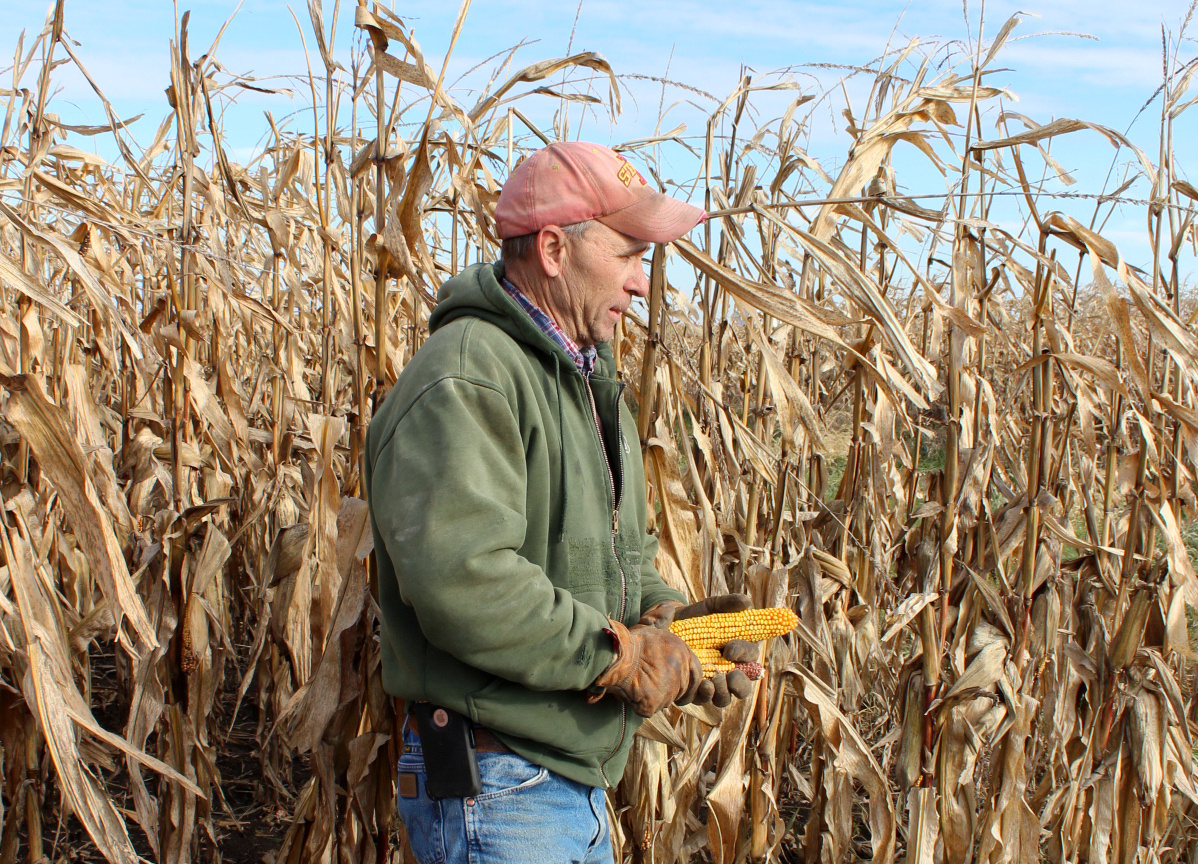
<point>601,333</point>
<point>610,325</point>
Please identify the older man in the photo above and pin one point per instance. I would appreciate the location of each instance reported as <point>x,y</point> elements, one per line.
<point>518,594</point>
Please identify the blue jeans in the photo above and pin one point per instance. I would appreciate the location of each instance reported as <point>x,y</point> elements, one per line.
<point>525,814</point>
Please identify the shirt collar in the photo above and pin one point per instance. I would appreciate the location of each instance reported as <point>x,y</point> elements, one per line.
<point>583,356</point>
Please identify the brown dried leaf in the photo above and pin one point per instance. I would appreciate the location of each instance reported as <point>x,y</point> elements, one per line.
<point>44,426</point>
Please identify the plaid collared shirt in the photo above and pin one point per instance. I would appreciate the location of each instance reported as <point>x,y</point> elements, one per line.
<point>583,357</point>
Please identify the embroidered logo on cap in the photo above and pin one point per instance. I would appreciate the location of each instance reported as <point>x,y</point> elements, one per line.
<point>627,172</point>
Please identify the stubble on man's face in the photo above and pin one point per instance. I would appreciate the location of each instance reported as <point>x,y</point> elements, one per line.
<point>603,274</point>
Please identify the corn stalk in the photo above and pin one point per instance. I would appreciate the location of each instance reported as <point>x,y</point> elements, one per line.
<point>964,453</point>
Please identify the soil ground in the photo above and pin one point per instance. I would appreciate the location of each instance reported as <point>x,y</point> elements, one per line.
<point>250,832</point>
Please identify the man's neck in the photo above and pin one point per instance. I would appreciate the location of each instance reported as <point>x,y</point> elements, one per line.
<point>583,356</point>
<point>538,290</point>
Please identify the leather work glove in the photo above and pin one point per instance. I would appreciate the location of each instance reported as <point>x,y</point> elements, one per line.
<point>720,688</point>
<point>652,669</point>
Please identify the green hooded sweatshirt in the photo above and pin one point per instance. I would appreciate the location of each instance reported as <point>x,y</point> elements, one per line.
<point>503,538</point>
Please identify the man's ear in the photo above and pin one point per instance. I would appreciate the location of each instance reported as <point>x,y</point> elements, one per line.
<point>551,250</point>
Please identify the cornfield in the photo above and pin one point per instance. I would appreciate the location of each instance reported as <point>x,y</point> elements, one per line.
<point>963,449</point>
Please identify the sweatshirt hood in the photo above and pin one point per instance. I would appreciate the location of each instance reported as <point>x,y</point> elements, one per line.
<point>477,293</point>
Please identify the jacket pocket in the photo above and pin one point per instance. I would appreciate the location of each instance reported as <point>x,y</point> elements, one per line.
<point>593,575</point>
<point>630,560</point>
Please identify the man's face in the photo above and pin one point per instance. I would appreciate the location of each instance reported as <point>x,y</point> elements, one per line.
<point>602,272</point>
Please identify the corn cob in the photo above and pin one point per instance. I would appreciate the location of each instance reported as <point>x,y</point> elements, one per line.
<point>713,663</point>
<point>707,634</point>
<point>716,631</point>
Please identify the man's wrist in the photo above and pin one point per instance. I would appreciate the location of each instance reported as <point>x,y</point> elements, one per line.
<point>621,645</point>
<point>610,637</point>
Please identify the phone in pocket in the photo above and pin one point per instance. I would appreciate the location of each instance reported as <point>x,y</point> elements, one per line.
<point>447,741</point>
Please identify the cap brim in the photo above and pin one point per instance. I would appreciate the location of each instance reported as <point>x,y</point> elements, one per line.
<point>655,219</point>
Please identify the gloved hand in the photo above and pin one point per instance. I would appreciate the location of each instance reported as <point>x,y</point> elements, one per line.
<point>652,669</point>
<point>720,688</point>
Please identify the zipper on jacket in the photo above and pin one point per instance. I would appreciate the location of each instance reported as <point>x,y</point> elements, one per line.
<point>611,481</point>
<point>615,529</point>
<point>620,743</point>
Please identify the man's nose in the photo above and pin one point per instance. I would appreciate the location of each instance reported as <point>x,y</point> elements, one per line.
<point>638,285</point>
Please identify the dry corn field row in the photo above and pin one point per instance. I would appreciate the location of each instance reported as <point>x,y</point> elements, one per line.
<point>992,660</point>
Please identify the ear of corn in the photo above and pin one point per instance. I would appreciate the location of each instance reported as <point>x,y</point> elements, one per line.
<point>707,634</point>
<point>716,631</point>
<point>714,663</point>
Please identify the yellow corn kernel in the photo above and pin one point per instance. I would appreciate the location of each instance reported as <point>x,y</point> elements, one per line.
<point>713,663</point>
<point>716,631</point>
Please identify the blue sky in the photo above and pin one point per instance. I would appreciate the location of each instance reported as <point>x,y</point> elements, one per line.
<point>1098,60</point>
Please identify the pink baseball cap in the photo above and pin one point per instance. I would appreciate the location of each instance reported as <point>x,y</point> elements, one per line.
<point>573,181</point>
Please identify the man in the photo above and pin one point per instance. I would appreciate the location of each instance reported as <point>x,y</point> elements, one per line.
<point>507,497</point>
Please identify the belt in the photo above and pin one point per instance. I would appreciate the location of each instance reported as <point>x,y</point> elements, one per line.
<point>485,740</point>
